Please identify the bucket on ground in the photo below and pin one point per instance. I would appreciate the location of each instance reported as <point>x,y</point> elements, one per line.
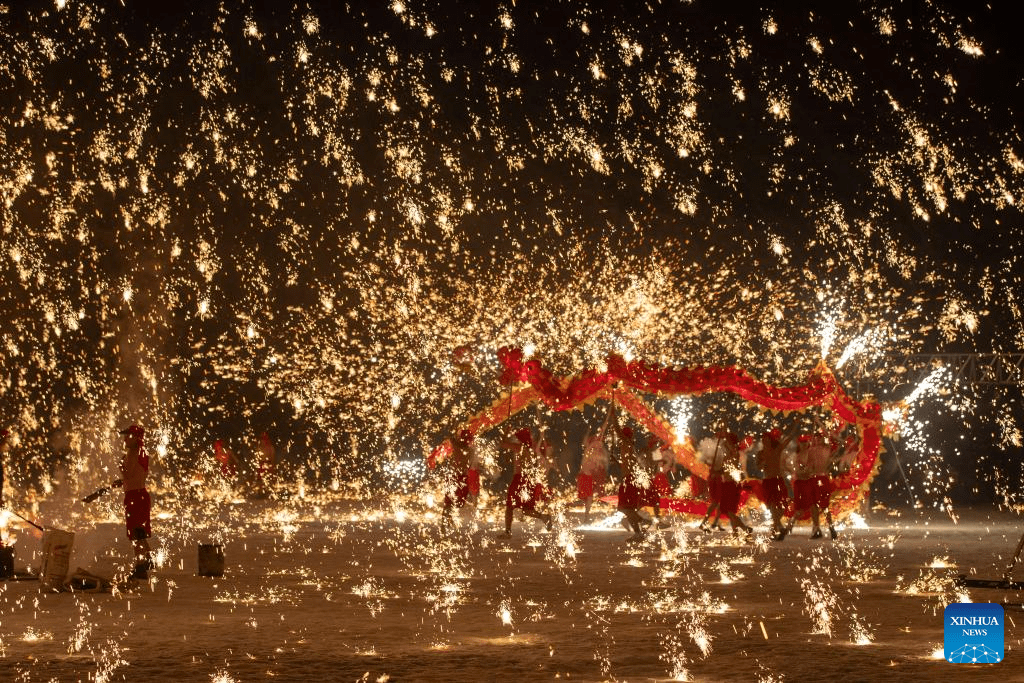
<point>211,559</point>
<point>56,558</point>
<point>7,562</point>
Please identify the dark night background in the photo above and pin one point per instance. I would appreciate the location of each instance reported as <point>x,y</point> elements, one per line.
<point>313,204</point>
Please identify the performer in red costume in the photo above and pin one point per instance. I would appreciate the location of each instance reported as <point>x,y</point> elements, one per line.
<point>461,478</point>
<point>528,483</point>
<point>812,486</point>
<point>773,472</point>
<point>634,484</point>
<point>594,466</point>
<point>733,471</point>
<point>659,461</point>
<point>227,459</point>
<point>137,503</point>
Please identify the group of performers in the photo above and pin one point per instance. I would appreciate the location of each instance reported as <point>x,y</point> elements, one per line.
<point>646,474</point>
<point>261,477</point>
<point>724,489</point>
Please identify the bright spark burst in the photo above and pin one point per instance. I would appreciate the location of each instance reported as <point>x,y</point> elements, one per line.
<point>870,343</point>
<point>938,380</point>
<point>819,602</point>
<point>827,333</point>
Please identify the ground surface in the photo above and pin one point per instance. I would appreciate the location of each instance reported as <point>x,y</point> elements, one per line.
<point>342,592</point>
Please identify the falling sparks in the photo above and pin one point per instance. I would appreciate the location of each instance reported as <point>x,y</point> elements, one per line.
<point>970,47</point>
<point>859,633</point>
<point>505,614</point>
<point>238,220</point>
<point>33,636</point>
<point>675,657</point>
<point>819,603</point>
<point>369,333</point>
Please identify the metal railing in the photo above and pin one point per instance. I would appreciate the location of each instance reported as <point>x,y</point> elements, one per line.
<point>982,369</point>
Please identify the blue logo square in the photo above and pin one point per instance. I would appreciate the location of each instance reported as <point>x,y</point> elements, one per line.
<point>973,633</point>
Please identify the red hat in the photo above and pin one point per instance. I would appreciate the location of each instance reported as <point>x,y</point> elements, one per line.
<point>773,435</point>
<point>133,430</point>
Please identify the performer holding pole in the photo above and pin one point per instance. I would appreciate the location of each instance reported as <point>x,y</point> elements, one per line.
<point>773,476</point>
<point>812,487</point>
<point>714,492</point>
<point>658,458</point>
<point>461,479</point>
<point>632,492</point>
<point>594,466</point>
<point>734,468</point>
<point>137,504</point>
<point>527,488</point>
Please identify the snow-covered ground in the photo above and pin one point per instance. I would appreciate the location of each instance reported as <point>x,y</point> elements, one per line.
<point>338,590</point>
